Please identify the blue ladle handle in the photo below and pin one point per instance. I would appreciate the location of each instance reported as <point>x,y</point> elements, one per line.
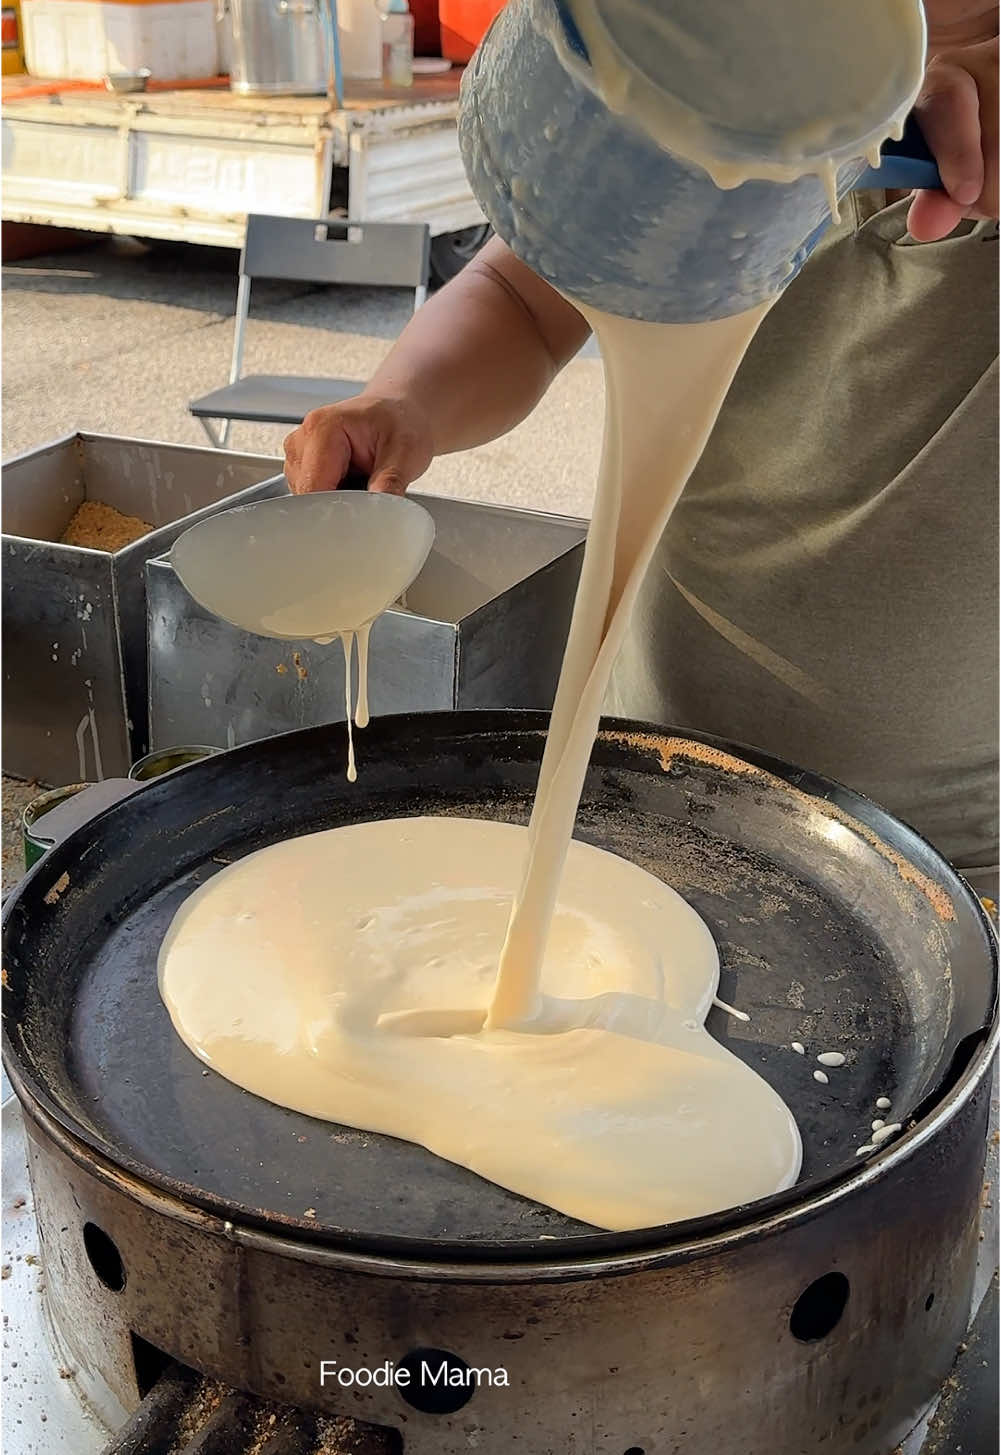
<point>905,164</point>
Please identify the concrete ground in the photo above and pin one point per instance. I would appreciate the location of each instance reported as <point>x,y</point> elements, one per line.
<point>117,338</point>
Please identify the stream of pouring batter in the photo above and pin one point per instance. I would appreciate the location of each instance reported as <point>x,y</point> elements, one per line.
<point>664,385</point>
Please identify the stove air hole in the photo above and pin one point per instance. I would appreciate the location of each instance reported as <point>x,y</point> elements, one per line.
<point>929,1301</point>
<point>440,1383</point>
<point>105,1258</point>
<point>819,1307</point>
<point>635,1450</point>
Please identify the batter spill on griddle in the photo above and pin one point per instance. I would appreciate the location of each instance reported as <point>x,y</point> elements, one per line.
<point>347,974</point>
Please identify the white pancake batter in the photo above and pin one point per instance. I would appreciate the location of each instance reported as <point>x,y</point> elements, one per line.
<point>352,974</point>
<point>284,973</point>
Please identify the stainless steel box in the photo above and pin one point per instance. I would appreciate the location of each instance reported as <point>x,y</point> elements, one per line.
<point>74,620</point>
<point>484,625</point>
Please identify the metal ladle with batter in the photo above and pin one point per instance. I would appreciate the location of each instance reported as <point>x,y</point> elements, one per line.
<point>309,567</point>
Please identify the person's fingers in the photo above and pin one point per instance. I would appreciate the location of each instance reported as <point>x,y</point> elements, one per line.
<point>317,454</point>
<point>387,440</point>
<point>958,114</point>
<point>932,216</point>
<point>948,112</point>
<point>290,446</point>
<point>324,468</point>
<point>986,204</point>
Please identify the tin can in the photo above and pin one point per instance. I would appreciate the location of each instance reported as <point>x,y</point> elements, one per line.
<point>34,845</point>
<point>165,760</point>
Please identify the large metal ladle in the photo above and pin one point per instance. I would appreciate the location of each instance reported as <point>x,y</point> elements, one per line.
<point>603,209</point>
<point>303,567</point>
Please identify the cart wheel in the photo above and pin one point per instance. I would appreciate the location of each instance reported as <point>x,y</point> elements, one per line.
<point>451,251</point>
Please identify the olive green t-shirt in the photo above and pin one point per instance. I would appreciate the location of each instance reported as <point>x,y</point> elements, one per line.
<point>827,588</point>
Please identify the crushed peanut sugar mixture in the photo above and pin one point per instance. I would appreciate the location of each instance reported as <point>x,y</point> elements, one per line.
<point>101,527</point>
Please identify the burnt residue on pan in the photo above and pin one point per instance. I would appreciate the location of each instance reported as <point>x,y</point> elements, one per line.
<point>672,750</point>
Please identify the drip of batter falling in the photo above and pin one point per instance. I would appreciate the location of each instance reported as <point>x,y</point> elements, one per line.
<point>348,642</point>
<point>355,714</point>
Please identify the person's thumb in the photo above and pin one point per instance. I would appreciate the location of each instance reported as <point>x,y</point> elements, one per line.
<point>932,216</point>
<point>948,113</point>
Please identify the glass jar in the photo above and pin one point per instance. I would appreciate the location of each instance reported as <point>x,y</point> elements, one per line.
<point>397,43</point>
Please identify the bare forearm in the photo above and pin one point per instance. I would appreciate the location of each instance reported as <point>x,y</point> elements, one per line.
<point>478,357</point>
<point>469,366</point>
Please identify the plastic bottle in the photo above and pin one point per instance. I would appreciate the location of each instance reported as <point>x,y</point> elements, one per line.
<point>361,40</point>
<point>397,43</point>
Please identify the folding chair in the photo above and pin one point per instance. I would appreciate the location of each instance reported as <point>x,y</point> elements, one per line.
<point>308,250</point>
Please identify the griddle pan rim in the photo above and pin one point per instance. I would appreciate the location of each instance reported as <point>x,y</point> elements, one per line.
<point>387,1256</point>
<point>730,1225</point>
<point>472,723</point>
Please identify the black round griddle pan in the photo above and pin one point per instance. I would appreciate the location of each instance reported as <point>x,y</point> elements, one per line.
<point>836,926</point>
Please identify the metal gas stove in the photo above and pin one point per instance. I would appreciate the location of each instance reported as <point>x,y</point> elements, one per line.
<point>174,1223</point>
<point>52,1403</point>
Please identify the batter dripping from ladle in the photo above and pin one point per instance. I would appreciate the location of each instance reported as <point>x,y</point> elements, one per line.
<point>352,974</point>
<point>323,568</point>
<point>355,709</point>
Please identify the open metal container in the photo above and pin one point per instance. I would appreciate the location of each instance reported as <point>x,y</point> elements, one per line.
<point>74,619</point>
<point>484,625</point>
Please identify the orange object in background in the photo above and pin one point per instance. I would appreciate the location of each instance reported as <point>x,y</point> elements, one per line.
<point>464,23</point>
<point>13,51</point>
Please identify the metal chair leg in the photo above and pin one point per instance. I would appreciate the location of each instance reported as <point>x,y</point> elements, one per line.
<point>220,440</point>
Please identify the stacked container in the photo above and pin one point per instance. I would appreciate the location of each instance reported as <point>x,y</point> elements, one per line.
<point>74,618</point>
<point>86,40</point>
